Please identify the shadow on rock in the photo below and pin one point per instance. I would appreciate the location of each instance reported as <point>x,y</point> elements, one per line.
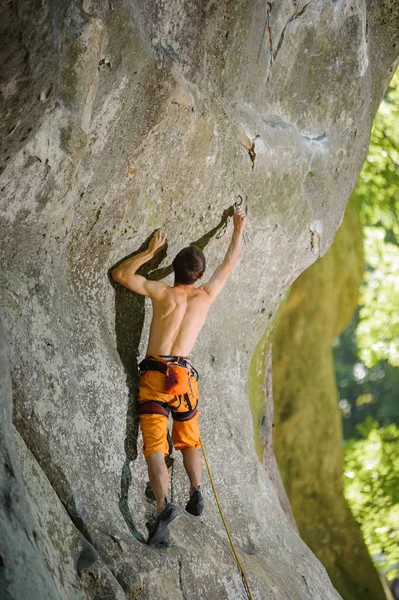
<point>129,322</point>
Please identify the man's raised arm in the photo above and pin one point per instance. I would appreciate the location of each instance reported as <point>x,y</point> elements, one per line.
<point>216,283</point>
<point>125,273</point>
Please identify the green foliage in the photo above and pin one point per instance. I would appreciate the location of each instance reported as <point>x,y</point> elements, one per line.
<point>377,189</point>
<point>363,391</point>
<point>372,491</point>
<point>377,197</point>
<point>367,353</point>
<point>378,330</point>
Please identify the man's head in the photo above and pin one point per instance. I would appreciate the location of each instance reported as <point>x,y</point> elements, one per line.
<point>189,265</point>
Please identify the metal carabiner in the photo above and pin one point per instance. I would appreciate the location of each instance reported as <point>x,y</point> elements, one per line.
<point>238,204</point>
<point>245,234</point>
<point>247,239</point>
<point>222,231</point>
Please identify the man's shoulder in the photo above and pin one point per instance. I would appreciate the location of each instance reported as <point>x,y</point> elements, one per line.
<point>204,288</point>
<point>156,289</point>
<point>202,294</point>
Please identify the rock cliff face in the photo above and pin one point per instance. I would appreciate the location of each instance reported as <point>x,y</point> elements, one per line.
<point>308,433</point>
<point>163,113</point>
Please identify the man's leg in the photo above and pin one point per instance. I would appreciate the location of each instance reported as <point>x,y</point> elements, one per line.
<point>186,437</point>
<point>159,478</point>
<point>154,429</point>
<point>192,465</point>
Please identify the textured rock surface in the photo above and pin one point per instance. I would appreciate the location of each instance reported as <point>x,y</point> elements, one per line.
<point>23,573</point>
<point>31,34</point>
<point>319,306</point>
<point>67,553</point>
<point>158,106</point>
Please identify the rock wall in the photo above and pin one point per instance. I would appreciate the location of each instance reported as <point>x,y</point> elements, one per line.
<point>163,114</point>
<point>308,431</point>
<point>31,35</point>
<point>18,545</point>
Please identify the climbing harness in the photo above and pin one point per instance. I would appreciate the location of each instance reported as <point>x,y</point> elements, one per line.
<point>269,27</point>
<point>178,372</point>
<point>245,234</point>
<point>244,578</point>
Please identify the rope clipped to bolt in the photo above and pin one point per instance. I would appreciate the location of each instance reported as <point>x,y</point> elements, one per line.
<point>245,234</point>
<point>236,206</point>
<point>244,577</point>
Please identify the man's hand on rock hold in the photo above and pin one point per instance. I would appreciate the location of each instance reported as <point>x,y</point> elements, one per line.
<point>156,242</point>
<point>239,220</point>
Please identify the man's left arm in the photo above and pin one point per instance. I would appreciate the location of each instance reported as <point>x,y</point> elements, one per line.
<point>125,273</point>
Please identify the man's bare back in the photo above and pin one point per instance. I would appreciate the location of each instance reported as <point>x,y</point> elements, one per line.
<point>178,315</point>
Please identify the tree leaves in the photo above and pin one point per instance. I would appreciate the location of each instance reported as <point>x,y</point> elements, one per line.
<point>377,198</point>
<point>378,329</point>
<point>372,462</point>
<point>370,484</point>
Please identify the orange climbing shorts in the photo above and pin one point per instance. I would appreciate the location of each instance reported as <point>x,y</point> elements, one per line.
<point>155,405</point>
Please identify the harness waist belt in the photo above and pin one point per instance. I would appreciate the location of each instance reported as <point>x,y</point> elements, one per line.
<point>150,363</point>
<point>184,416</point>
<point>152,407</point>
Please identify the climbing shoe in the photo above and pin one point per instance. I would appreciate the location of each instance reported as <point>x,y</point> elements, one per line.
<point>195,505</point>
<point>162,521</point>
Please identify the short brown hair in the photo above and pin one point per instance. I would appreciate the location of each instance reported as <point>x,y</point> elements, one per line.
<point>189,265</point>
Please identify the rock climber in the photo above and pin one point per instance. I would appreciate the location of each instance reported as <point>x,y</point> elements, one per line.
<point>168,380</point>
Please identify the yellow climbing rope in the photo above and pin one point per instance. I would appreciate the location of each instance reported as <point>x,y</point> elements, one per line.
<point>244,578</point>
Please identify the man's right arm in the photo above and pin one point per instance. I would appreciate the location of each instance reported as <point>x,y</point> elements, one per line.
<point>216,283</point>
<point>125,272</point>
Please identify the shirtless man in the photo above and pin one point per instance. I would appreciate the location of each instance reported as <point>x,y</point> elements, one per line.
<point>168,382</point>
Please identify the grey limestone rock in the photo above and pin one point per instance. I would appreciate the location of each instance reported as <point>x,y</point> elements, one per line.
<point>31,34</point>
<point>165,113</point>
<point>23,572</point>
<point>77,571</point>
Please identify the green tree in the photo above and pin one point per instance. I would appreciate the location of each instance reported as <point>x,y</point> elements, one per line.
<point>367,353</point>
<point>378,329</point>
<point>377,197</point>
<point>377,189</point>
<point>371,488</point>
<point>363,391</point>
